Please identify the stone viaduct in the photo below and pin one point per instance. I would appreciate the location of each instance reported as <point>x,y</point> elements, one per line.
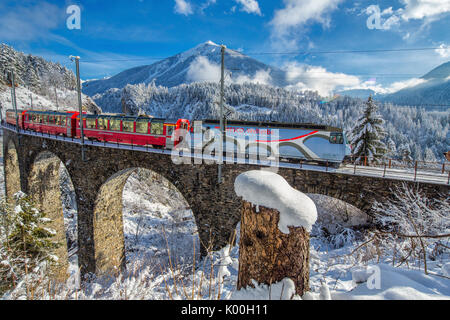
<point>31,164</point>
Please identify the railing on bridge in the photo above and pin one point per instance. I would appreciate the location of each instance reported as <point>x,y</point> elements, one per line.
<point>411,166</point>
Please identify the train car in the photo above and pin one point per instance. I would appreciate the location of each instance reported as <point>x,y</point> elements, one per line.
<point>11,117</point>
<point>141,130</point>
<point>296,141</point>
<point>46,121</point>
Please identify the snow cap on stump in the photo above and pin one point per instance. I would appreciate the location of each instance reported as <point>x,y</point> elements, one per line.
<point>270,190</point>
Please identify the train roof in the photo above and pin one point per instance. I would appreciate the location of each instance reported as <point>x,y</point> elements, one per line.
<point>104,115</point>
<point>55,113</point>
<point>39,112</point>
<point>275,124</point>
<point>125,117</point>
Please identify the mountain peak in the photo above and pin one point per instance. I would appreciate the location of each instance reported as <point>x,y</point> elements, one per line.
<point>209,42</point>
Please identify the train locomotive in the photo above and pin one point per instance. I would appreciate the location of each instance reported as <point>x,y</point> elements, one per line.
<point>296,142</point>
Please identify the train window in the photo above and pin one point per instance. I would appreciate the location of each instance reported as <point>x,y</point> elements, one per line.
<point>102,123</point>
<point>336,138</point>
<point>127,126</point>
<point>169,130</point>
<point>51,120</point>
<point>90,123</point>
<point>142,126</point>
<point>156,128</point>
<point>114,124</point>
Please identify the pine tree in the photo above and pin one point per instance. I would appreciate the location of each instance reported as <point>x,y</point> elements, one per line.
<point>367,135</point>
<point>391,149</point>
<point>26,245</point>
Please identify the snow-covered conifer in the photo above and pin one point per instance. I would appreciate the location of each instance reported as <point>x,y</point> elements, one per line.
<point>367,135</point>
<point>26,245</point>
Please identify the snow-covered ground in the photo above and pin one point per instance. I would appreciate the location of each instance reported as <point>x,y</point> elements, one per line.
<point>157,218</point>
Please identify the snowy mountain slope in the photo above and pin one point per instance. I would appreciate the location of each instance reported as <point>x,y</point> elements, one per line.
<point>434,91</point>
<point>180,69</point>
<point>67,100</point>
<point>47,85</point>
<point>34,72</point>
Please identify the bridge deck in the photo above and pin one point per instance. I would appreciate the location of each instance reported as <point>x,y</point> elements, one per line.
<point>434,177</point>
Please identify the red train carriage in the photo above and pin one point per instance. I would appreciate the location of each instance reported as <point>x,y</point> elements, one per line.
<point>47,122</point>
<point>11,117</point>
<point>141,130</point>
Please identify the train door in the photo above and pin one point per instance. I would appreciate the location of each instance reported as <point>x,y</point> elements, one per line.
<point>169,134</point>
<point>180,135</point>
<point>69,127</point>
<point>71,119</point>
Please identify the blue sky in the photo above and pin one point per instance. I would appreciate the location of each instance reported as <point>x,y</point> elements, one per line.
<point>116,35</point>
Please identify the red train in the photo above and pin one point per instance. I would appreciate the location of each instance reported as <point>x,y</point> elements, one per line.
<point>141,130</point>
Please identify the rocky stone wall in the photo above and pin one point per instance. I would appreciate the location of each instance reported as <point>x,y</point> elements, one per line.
<point>44,188</point>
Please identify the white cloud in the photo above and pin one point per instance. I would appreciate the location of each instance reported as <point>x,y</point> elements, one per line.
<point>297,13</point>
<point>393,87</point>
<point>183,7</point>
<point>249,6</point>
<point>207,4</point>
<point>420,9</point>
<point>202,70</point>
<point>399,85</point>
<point>316,78</point>
<point>261,77</point>
<point>305,77</point>
<point>443,51</point>
<point>30,22</point>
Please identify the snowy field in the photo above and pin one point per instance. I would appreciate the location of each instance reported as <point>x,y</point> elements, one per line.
<point>162,254</point>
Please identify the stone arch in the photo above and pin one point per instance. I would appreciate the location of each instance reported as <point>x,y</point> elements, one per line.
<point>44,186</point>
<point>108,221</point>
<point>11,168</point>
<point>335,214</point>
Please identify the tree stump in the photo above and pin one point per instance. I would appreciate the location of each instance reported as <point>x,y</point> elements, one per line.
<point>267,255</point>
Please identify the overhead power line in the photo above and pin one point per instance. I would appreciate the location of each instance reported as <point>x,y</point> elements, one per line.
<point>341,51</point>
<point>277,53</point>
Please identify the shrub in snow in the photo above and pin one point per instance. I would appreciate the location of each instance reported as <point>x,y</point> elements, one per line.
<point>446,269</point>
<point>410,221</point>
<point>268,189</point>
<point>26,245</point>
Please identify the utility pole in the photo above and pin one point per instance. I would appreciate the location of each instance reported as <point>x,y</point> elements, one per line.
<point>80,103</point>
<point>56,98</point>
<point>13,98</point>
<point>222,127</point>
